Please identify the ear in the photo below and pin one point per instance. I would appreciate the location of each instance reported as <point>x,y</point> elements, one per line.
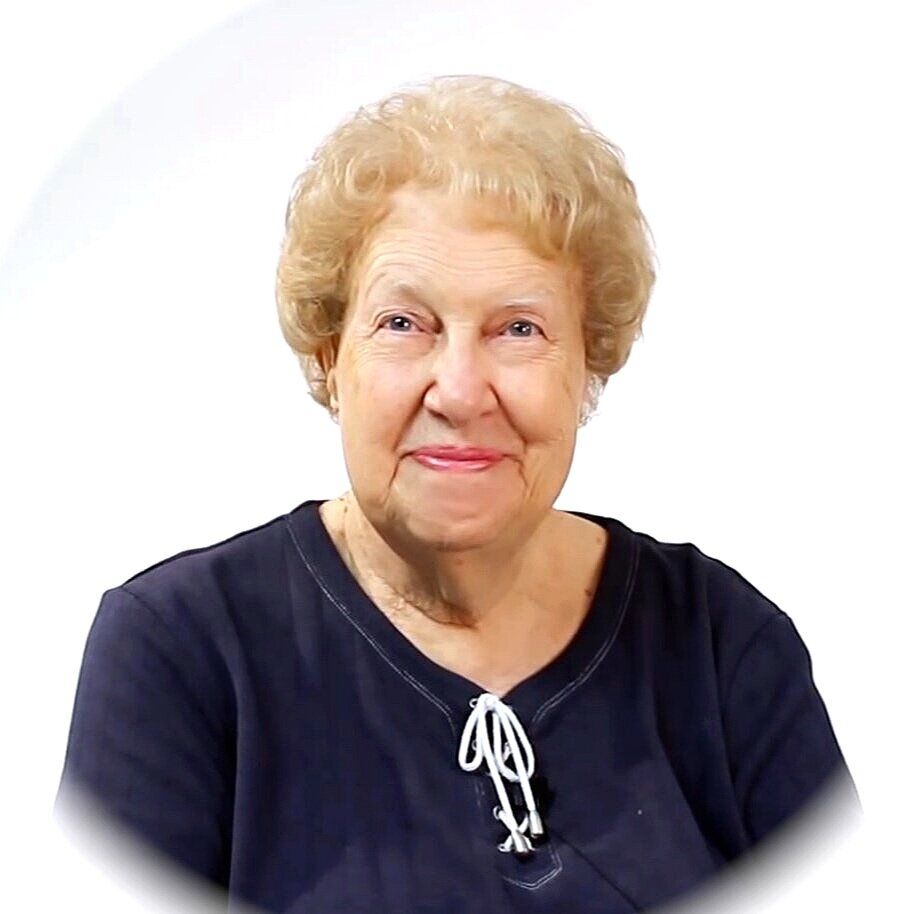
<point>326,358</point>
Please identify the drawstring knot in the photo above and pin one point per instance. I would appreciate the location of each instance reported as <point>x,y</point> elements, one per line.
<point>509,755</point>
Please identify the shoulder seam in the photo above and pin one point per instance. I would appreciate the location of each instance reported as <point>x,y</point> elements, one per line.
<point>746,650</point>
<point>191,693</point>
<point>144,603</point>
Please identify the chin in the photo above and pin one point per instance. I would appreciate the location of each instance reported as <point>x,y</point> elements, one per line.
<point>453,530</point>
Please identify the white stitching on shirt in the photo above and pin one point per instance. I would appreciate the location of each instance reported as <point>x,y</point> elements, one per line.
<point>546,877</point>
<point>550,846</point>
<point>342,608</point>
<point>566,690</point>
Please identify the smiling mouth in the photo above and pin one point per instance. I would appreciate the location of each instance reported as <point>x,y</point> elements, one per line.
<point>450,464</point>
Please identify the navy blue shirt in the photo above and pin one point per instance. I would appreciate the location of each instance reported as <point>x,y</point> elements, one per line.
<point>248,711</point>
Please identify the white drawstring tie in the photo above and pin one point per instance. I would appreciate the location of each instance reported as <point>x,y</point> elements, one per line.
<point>504,724</point>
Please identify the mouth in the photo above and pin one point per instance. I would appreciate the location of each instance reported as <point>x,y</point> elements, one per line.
<point>455,465</point>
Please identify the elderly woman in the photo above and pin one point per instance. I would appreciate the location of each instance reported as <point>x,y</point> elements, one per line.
<point>438,693</point>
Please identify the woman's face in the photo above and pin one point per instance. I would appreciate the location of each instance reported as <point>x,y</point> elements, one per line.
<point>457,336</point>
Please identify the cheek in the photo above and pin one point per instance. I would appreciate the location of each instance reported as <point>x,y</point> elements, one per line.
<point>545,405</point>
<point>380,397</point>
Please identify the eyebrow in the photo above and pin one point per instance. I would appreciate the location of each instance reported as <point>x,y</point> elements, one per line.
<point>415,294</point>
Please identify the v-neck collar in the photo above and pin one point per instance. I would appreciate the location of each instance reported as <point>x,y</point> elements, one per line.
<point>534,697</point>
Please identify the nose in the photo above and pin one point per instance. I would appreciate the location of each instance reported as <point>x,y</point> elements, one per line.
<point>461,382</point>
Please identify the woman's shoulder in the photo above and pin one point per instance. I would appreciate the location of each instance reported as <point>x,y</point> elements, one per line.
<point>683,591</point>
<point>242,561</point>
<point>161,688</point>
<point>206,599</point>
<point>704,624</point>
<point>186,621</point>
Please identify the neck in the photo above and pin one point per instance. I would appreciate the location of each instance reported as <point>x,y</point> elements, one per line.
<point>470,588</point>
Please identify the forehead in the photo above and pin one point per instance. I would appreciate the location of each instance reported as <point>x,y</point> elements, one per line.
<point>428,239</point>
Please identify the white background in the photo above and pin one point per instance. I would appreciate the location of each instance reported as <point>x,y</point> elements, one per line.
<point>150,404</point>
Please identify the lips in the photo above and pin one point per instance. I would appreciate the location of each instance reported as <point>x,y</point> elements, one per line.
<point>457,459</point>
<point>453,466</point>
<point>459,453</point>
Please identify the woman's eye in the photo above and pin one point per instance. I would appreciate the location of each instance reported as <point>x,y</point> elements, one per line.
<point>400,319</point>
<point>533,328</point>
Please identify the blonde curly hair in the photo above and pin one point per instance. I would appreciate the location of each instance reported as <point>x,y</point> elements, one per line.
<point>550,176</point>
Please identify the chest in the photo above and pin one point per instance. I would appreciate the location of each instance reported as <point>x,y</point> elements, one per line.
<point>366,809</point>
